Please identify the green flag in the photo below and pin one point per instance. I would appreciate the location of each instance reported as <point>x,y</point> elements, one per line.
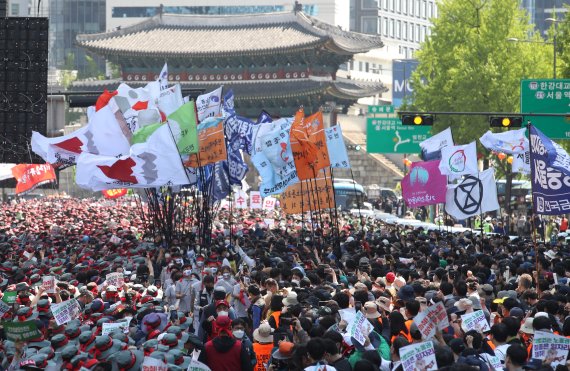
<point>184,128</point>
<point>21,331</point>
<point>142,134</point>
<point>9,297</point>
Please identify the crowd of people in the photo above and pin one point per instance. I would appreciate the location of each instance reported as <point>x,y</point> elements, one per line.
<point>262,296</point>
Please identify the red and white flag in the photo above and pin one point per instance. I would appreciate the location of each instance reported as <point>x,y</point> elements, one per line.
<point>30,176</point>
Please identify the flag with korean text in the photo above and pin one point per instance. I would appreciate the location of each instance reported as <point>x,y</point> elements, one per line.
<point>336,148</point>
<point>209,104</point>
<point>311,194</point>
<point>211,143</point>
<point>308,143</point>
<point>509,142</point>
<point>31,176</point>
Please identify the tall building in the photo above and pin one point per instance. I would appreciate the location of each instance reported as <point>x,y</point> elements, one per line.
<point>123,13</point>
<point>540,10</point>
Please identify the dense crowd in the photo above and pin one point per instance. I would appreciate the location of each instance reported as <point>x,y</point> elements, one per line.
<point>262,296</point>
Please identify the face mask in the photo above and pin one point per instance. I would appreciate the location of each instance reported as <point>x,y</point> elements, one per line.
<point>213,270</point>
<point>296,282</point>
<point>200,264</point>
<point>222,313</point>
<point>227,242</point>
<point>226,276</point>
<point>238,334</point>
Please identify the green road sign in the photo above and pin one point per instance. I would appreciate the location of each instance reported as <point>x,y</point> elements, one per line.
<point>384,135</point>
<point>547,96</point>
<point>380,109</point>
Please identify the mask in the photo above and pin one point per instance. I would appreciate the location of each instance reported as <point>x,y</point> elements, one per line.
<point>296,282</point>
<point>226,276</point>
<point>214,270</point>
<point>238,334</point>
<point>222,313</point>
<point>227,242</point>
<point>200,264</point>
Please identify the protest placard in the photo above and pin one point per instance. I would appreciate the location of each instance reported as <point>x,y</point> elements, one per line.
<point>48,284</point>
<point>9,297</point>
<point>434,317</point>
<point>475,321</point>
<point>269,222</point>
<point>110,327</point>
<point>418,357</point>
<point>359,328</point>
<point>4,308</point>
<point>255,200</point>
<point>549,346</point>
<point>153,364</point>
<point>21,331</point>
<point>65,311</point>
<point>197,366</point>
<point>116,279</point>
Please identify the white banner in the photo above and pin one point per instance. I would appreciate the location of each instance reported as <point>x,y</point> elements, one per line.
<point>255,200</point>
<point>240,199</point>
<point>110,327</point>
<point>65,311</point>
<point>420,356</point>
<point>434,317</point>
<point>549,346</point>
<point>48,284</point>
<point>153,364</point>
<point>475,321</point>
<point>459,160</point>
<point>509,142</point>
<point>473,195</point>
<point>269,203</point>
<point>521,163</point>
<point>116,279</point>
<point>209,104</point>
<point>359,328</point>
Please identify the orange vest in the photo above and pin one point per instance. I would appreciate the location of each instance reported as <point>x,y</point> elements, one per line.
<point>275,316</point>
<point>262,353</point>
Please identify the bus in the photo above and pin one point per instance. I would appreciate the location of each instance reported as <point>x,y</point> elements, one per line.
<point>348,194</point>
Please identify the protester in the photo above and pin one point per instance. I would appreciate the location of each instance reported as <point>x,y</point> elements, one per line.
<point>284,297</point>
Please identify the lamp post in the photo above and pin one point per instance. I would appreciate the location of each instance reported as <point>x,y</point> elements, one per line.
<point>553,43</point>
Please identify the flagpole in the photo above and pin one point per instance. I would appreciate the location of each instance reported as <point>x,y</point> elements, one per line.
<point>337,225</point>
<point>357,199</point>
<point>532,219</point>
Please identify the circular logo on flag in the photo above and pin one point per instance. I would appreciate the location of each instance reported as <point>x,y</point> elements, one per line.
<point>457,161</point>
<point>468,195</point>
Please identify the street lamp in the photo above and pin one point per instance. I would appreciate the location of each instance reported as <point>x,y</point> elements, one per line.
<point>553,43</point>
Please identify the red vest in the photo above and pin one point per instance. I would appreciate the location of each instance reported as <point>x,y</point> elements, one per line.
<point>229,361</point>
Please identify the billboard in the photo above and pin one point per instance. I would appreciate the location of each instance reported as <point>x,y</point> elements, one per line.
<point>402,89</point>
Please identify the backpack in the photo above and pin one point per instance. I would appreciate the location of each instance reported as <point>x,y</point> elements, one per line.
<point>474,360</point>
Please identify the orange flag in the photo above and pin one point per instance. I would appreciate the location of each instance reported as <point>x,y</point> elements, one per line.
<point>314,194</point>
<point>308,143</point>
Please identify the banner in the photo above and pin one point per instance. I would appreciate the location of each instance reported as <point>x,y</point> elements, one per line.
<point>21,331</point>
<point>431,147</point>
<point>459,160</point>
<point>212,144</point>
<point>359,328</point>
<point>509,142</point>
<point>31,176</point>
<point>110,327</point>
<point>255,200</point>
<point>240,199</point>
<point>338,156</point>
<point>475,321</point>
<point>196,365</point>
<point>274,161</point>
<point>424,184</point>
<point>313,194</point>
<point>521,163</point>
<point>269,203</point>
<point>420,356</point>
<point>432,318</point>
<point>116,279</point>
<point>209,104</point>
<point>550,187</point>
<point>184,128</point>
<point>308,143</point>
<point>65,311</point>
<point>473,195</point>
<point>114,193</point>
<point>546,345</point>
<point>48,284</point>
<point>9,297</point>
<point>4,308</point>
<point>153,364</point>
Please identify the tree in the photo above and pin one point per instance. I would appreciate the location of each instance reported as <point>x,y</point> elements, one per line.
<point>469,64</point>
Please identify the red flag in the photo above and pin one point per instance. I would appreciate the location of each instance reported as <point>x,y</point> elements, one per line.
<point>30,176</point>
<point>114,193</point>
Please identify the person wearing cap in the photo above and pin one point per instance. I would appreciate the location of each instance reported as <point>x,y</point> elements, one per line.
<point>281,358</point>
<point>184,292</point>
<point>224,352</point>
<point>263,345</point>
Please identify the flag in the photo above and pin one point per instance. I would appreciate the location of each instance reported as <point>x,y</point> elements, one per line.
<point>550,186</point>
<point>169,100</point>
<point>111,194</point>
<point>431,147</point>
<point>336,148</point>
<point>6,171</point>
<point>238,131</point>
<point>308,157</point>
<point>424,184</point>
<point>259,131</point>
<point>163,78</point>
<point>220,181</point>
<point>521,163</point>
<point>473,195</point>
<point>557,157</point>
<point>228,105</point>
<point>274,161</point>
<point>31,176</point>
<point>459,160</point>
<point>184,128</point>
<point>209,105</point>
<point>211,143</point>
<point>312,194</point>
<point>509,142</point>
<point>153,163</point>
<point>264,118</point>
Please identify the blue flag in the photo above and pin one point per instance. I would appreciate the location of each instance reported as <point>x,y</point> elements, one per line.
<point>550,181</point>
<point>264,118</point>
<point>238,132</point>
<point>220,181</point>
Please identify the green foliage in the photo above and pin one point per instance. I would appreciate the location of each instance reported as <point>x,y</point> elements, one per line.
<point>92,70</point>
<point>563,46</point>
<point>469,65</point>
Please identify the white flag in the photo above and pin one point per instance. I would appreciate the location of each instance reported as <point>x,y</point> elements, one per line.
<point>6,171</point>
<point>521,163</point>
<point>336,147</point>
<point>474,195</point>
<point>163,78</point>
<point>509,142</point>
<point>431,147</point>
<point>209,104</point>
<point>459,160</point>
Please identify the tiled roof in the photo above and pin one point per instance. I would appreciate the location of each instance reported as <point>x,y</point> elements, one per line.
<point>192,35</point>
<point>264,90</point>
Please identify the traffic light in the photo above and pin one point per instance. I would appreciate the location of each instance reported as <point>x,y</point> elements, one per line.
<point>418,120</point>
<point>353,147</point>
<point>506,121</point>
